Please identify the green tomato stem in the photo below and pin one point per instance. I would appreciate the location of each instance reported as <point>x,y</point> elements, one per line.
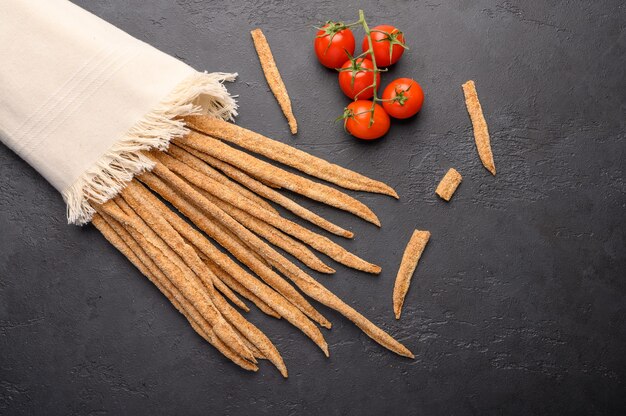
<point>370,51</point>
<point>375,70</point>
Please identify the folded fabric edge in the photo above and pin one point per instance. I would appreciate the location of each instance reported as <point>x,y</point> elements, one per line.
<point>200,93</point>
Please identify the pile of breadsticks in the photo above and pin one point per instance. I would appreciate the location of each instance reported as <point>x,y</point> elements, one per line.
<point>225,191</point>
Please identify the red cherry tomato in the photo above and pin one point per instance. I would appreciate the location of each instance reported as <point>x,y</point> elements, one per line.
<point>403,98</point>
<point>358,120</point>
<point>356,78</point>
<point>334,44</point>
<point>388,44</point>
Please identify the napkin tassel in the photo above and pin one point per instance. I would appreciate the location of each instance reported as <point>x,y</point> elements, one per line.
<point>201,93</point>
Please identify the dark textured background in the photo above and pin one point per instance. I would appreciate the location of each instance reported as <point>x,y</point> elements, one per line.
<point>517,306</point>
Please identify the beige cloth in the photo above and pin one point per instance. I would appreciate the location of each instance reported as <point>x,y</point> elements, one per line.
<point>80,98</point>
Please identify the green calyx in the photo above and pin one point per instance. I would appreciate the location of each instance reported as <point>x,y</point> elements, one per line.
<point>393,38</point>
<point>401,98</point>
<point>331,28</point>
<point>356,66</point>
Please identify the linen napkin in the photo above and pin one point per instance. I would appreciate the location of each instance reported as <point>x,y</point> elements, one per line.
<point>80,99</point>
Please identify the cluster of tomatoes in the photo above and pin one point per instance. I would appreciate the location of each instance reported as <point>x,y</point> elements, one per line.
<point>368,116</point>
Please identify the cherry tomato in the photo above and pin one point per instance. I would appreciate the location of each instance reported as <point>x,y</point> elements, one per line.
<point>388,44</point>
<point>334,44</point>
<point>356,78</point>
<point>357,118</point>
<point>403,98</point>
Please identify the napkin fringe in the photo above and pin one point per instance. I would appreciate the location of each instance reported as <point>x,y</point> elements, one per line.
<point>201,93</point>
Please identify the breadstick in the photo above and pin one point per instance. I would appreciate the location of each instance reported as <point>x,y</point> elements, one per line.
<point>238,240</point>
<point>241,252</point>
<point>271,234</point>
<point>220,216</point>
<point>189,287</point>
<point>148,213</point>
<point>255,351</point>
<point>318,242</point>
<point>249,331</point>
<point>305,282</point>
<point>129,247</point>
<point>222,305</point>
<point>230,295</point>
<point>154,218</point>
<point>170,259</point>
<point>448,184</point>
<point>235,285</point>
<point>290,312</point>
<point>269,193</point>
<point>411,256</point>
<point>481,133</point>
<point>201,167</point>
<point>204,249</point>
<point>271,173</point>
<point>288,155</point>
<point>252,334</point>
<point>273,77</point>
<point>315,290</point>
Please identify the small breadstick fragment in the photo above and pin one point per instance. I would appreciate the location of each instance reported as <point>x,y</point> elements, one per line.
<point>273,77</point>
<point>411,256</point>
<point>448,184</point>
<point>481,133</point>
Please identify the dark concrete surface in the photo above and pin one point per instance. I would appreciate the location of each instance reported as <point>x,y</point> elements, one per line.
<point>517,306</point>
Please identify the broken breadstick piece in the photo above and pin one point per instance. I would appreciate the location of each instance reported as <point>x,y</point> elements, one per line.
<point>411,256</point>
<point>273,77</point>
<point>481,133</point>
<point>448,184</point>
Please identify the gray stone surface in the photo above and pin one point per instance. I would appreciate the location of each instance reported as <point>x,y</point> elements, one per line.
<point>517,306</point>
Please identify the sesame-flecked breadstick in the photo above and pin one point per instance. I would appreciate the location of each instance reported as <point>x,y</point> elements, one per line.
<point>448,184</point>
<point>191,289</point>
<point>153,216</point>
<point>305,282</point>
<point>411,256</point>
<point>238,209</point>
<point>255,351</point>
<point>271,234</point>
<point>230,314</point>
<point>239,324</point>
<point>288,155</point>
<point>250,332</point>
<point>219,285</point>
<point>238,240</point>
<point>315,290</point>
<point>266,171</point>
<point>219,263</point>
<point>120,239</point>
<point>201,167</point>
<point>269,276</point>
<point>481,132</point>
<point>241,251</point>
<point>290,311</point>
<point>225,290</point>
<point>269,193</point>
<point>235,285</point>
<point>248,217</point>
<point>168,261</point>
<point>273,77</point>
